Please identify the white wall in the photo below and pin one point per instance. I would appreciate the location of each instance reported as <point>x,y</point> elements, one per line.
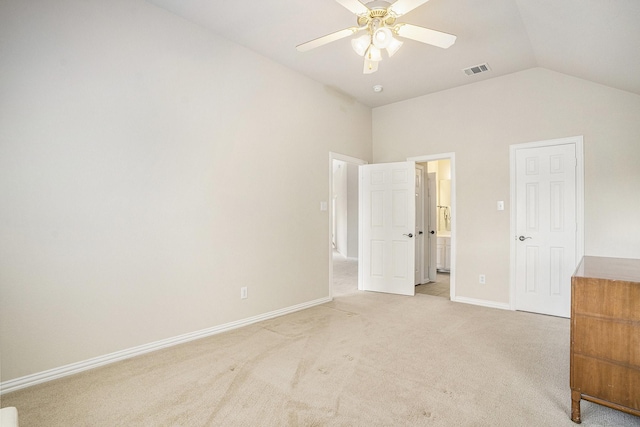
<point>479,121</point>
<point>340,209</point>
<point>148,170</point>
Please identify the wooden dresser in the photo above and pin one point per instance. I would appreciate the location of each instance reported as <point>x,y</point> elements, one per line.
<point>605,334</point>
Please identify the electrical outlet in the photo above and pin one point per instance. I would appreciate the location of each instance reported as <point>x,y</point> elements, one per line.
<point>243,292</point>
<point>482,279</point>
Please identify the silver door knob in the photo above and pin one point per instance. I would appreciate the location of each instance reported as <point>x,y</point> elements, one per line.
<point>522,238</point>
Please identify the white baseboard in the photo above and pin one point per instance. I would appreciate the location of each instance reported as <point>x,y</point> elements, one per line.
<point>74,368</point>
<point>482,302</point>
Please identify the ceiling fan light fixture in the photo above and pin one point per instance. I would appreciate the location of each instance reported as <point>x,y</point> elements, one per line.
<point>394,46</point>
<point>373,54</point>
<point>370,66</point>
<point>360,44</point>
<point>382,37</point>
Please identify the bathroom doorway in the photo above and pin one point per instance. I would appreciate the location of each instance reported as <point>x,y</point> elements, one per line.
<point>437,224</point>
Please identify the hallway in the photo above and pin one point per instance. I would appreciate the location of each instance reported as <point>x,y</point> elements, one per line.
<point>345,275</point>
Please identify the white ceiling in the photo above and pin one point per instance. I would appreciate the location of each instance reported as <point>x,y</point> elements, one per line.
<point>597,40</point>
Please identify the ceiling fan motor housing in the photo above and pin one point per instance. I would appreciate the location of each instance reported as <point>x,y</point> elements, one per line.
<point>379,11</point>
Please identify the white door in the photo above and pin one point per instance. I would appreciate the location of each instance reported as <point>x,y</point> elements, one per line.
<point>546,228</point>
<point>387,223</point>
<point>432,197</point>
<point>420,226</point>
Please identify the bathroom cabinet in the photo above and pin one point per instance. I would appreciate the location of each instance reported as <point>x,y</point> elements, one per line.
<point>605,334</point>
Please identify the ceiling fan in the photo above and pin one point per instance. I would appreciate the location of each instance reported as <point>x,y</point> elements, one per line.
<point>378,18</point>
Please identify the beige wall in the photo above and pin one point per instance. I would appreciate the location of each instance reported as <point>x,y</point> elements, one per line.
<point>479,121</point>
<point>148,170</point>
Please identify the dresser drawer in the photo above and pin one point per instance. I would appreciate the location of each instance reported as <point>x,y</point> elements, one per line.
<point>608,339</point>
<point>607,298</point>
<point>607,381</point>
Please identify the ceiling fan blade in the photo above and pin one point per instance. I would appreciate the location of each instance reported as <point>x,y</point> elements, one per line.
<point>320,41</point>
<point>425,35</point>
<point>401,7</point>
<point>354,6</point>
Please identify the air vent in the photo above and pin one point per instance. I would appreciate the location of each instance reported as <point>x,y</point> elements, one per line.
<point>477,69</point>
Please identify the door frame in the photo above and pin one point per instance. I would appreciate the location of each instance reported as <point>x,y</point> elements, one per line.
<point>432,186</point>
<point>577,141</point>
<point>452,158</point>
<point>348,159</point>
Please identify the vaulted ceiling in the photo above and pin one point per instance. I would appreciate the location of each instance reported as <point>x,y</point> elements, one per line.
<point>597,40</point>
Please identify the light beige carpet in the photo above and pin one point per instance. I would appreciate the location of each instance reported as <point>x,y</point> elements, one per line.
<point>365,359</point>
<point>345,275</point>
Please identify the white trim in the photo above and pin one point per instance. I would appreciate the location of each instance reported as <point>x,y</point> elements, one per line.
<point>345,158</point>
<point>74,368</point>
<point>452,157</point>
<point>336,156</point>
<point>578,141</point>
<point>360,245</point>
<point>482,302</point>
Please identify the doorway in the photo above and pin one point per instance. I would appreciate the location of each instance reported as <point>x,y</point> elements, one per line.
<point>336,260</point>
<point>433,215</point>
<point>343,218</point>
<point>440,176</point>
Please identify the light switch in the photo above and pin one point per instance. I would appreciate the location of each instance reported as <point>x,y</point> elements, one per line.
<point>323,206</point>
<point>500,205</point>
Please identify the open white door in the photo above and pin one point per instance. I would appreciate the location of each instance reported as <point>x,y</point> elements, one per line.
<point>387,223</point>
